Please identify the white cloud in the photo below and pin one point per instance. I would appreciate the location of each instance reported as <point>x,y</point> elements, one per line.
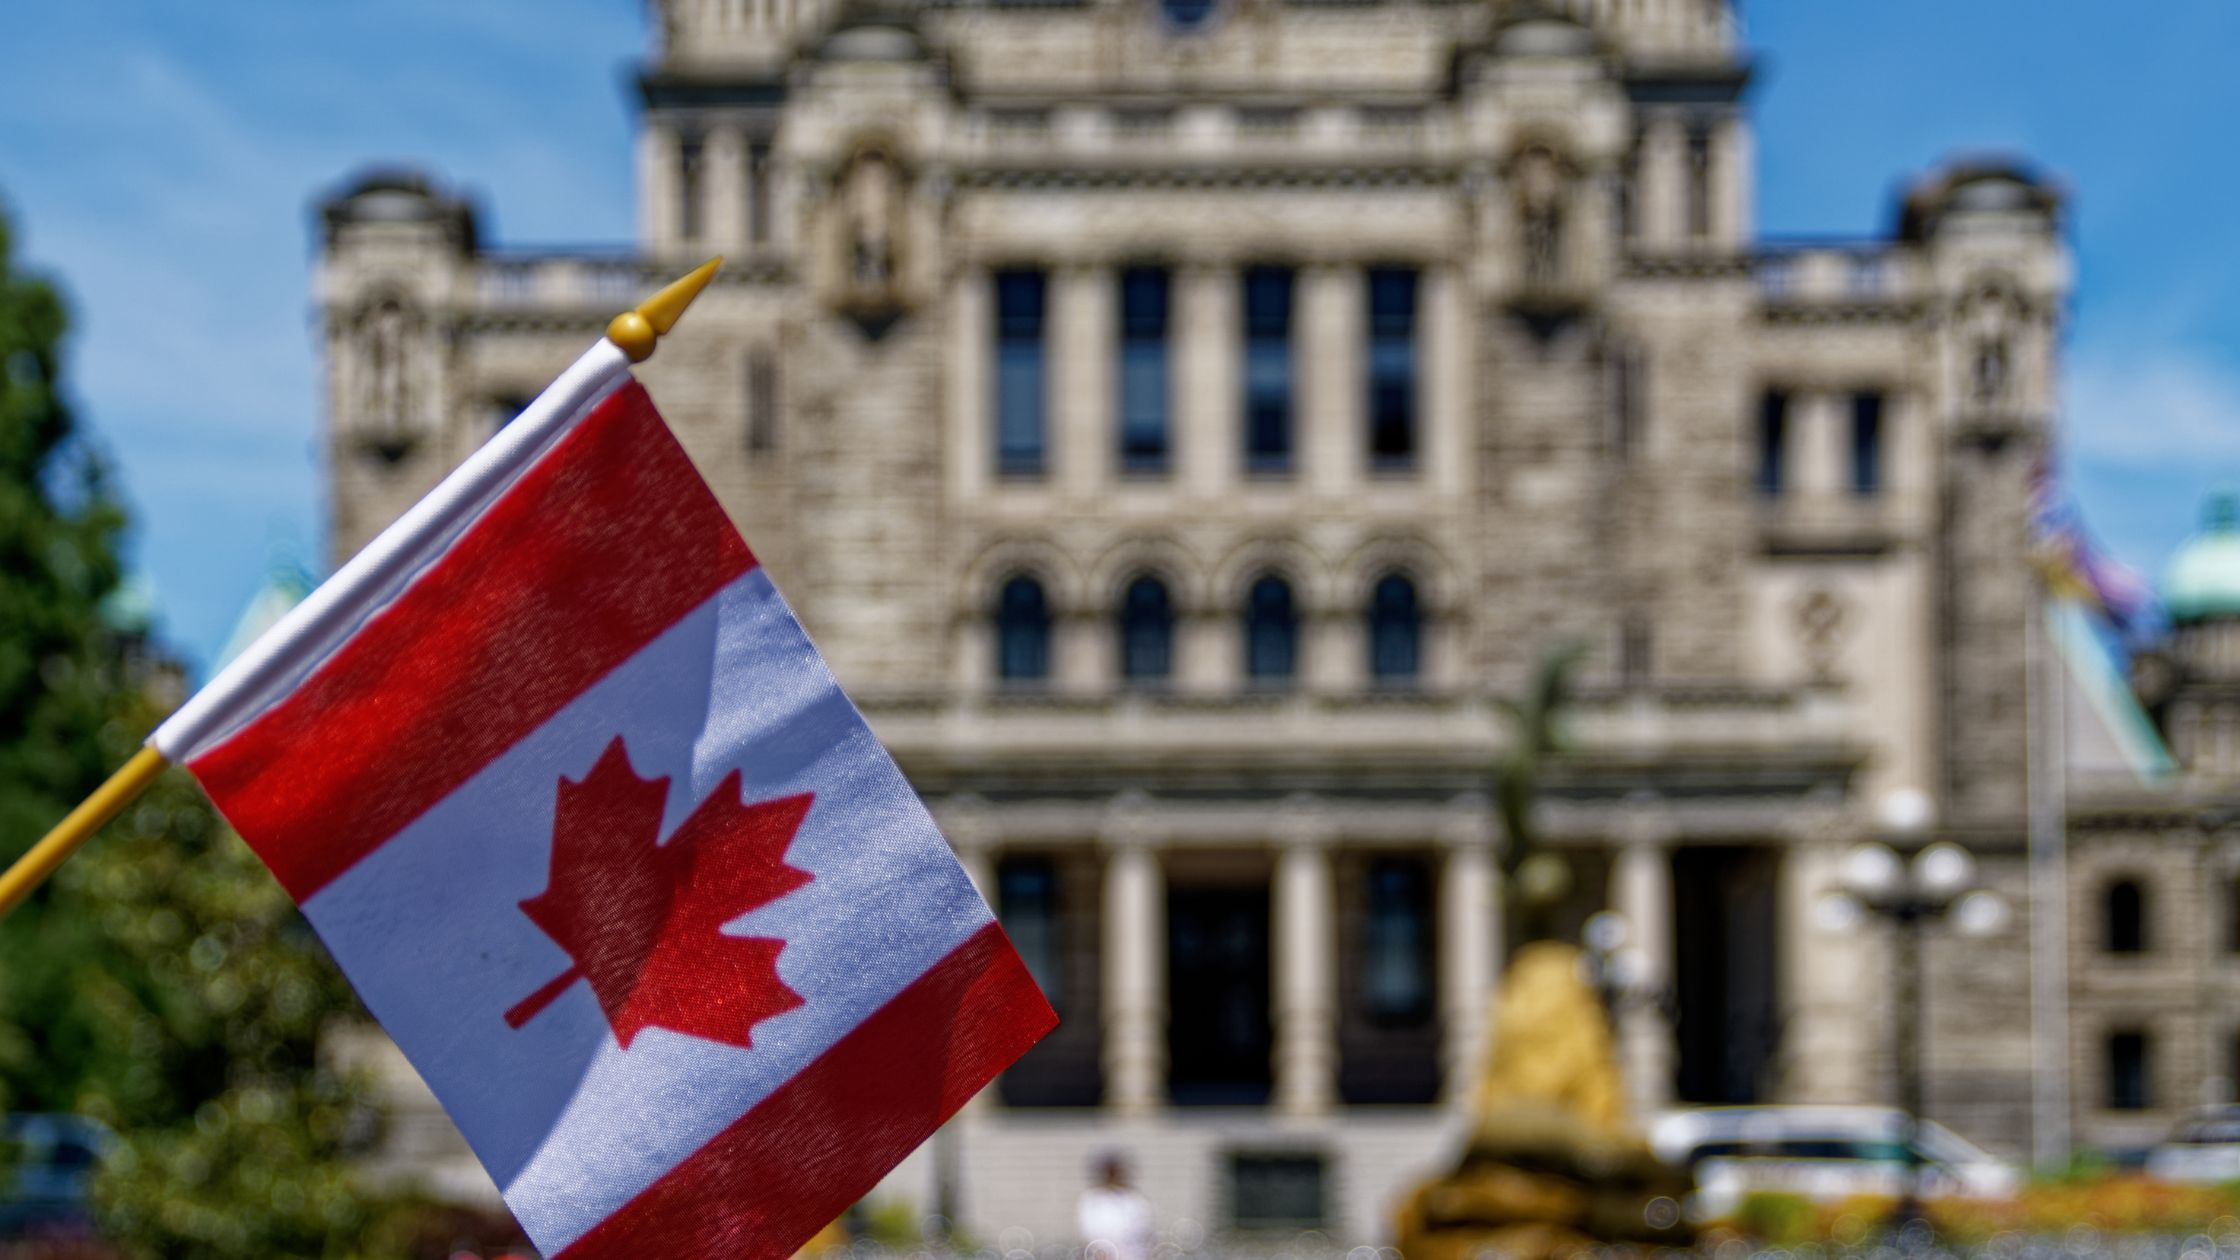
<point>2168,408</point>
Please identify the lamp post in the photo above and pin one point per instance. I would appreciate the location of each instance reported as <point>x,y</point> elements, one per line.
<point>1939,882</point>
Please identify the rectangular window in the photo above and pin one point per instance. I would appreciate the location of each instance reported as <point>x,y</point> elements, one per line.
<point>689,150</point>
<point>1027,905</point>
<point>758,191</point>
<point>2129,1086</point>
<point>1144,387</point>
<point>1270,1190</point>
<point>762,402</point>
<point>1396,974</point>
<point>1699,182</point>
<point>1021,387</point>
<point>1392,367</point>
<point>1634,648</point>
<point>1626,373</point>
<point>1267,369</point>
<point>1773,442</point>
<point>1866,444</point>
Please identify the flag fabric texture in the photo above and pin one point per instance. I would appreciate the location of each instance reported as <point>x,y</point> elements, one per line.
<point>2076,568</point>
<point>601,843</point>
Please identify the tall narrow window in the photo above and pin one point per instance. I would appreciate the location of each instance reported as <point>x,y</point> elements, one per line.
<point>689,151</point>
<point>1022,631</point>
<point>1395,631</point>
<point>1396,973</point>
<point>758,191</point>
<point>1146,632</point>
<point>2126,917</point>
<point>1626,371</point>
<point>1020,371</point>
<point>1773,442</point>
<point>1634,648</point>
<point>1027,905</point>
<point>2130,1079</point>
<point>1271,631</point>
<point>1144,391</point>
<point>2232,932</point>
<point>1866,444</point>
<point>762,402</point>
<point>1267,369</point>
<point>1699,182</point>
<point>1392,367</point>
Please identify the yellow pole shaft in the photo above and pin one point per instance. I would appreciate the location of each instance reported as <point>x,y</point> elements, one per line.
<point>107,801</point>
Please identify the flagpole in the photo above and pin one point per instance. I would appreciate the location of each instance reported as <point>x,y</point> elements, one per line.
<point>285,652</point>
<point>2047,779</point>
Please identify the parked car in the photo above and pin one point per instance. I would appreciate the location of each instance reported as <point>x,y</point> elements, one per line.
<point>2205,1147</point>
<point>50,1160</point>
<point>1825,1154</point>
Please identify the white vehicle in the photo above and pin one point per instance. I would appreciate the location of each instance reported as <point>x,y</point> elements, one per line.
<point>1826,1154</point>
<point>2205,1147</point>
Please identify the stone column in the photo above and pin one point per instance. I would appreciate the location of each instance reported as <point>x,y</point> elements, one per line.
<point>1135,960</point>
<point>1819,447</point>
<point>1469,946</point>
<point>971,334</point>
<point>1306,965</point>
<point>1731,194</point>
<point>723,182</point>
<point>657,189</point>
<point>1443,380</point>
<point>1642,884</point>
<point>1661,190</point>
<point>1331,322</point>
<point>1208,348</point>
<point>1082,346</point>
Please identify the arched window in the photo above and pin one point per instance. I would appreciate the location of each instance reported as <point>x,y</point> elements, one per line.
<point>1395,631</point>
<point>1022,631</point>
<point>1146,631</point>
<point>2127,917</point>
<point>1271,631</point>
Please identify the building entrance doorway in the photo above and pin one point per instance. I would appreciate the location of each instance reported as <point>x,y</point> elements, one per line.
<point>1220,1040</point>
<point>1726,971</point>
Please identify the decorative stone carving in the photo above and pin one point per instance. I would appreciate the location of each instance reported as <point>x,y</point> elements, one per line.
<point>1542,191</point>
<point>389,399</point>
<point>1823,623</point>
<point>870,199</point>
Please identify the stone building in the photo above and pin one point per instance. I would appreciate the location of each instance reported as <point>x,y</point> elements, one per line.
<point>1180,422</point>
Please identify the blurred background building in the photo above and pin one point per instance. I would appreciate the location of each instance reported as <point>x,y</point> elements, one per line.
<point>1180,421</point>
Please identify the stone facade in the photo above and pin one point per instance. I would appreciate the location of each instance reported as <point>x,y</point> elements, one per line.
<point>1464,294</point>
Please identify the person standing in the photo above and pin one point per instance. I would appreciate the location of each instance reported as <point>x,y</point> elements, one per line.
<point>1116,1220</point>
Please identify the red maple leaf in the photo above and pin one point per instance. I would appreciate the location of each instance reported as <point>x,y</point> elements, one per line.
<point>642,919</point>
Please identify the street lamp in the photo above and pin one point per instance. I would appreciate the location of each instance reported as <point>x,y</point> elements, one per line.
<point>1939,882</point>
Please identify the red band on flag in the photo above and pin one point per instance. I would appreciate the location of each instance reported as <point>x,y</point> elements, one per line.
<point>607,541</point>
<point>795,1162</point>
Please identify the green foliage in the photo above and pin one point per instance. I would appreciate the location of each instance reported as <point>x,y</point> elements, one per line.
<point>161,982</point>
<point>1777,1217</point>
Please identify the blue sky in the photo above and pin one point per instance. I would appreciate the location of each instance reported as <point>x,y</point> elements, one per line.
<point>161,158</point>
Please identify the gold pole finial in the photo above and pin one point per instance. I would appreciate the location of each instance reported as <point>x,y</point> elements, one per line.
<point>635,332</point>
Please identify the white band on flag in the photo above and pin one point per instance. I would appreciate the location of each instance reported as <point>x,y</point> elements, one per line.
<point>301,639</point>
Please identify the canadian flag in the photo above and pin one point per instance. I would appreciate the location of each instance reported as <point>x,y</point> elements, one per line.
<point>585,819</point>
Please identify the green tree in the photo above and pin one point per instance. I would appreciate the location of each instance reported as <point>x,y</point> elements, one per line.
<point>162,982</point>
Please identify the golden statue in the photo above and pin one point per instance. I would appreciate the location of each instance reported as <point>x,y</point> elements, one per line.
<point>1552,1166</point>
